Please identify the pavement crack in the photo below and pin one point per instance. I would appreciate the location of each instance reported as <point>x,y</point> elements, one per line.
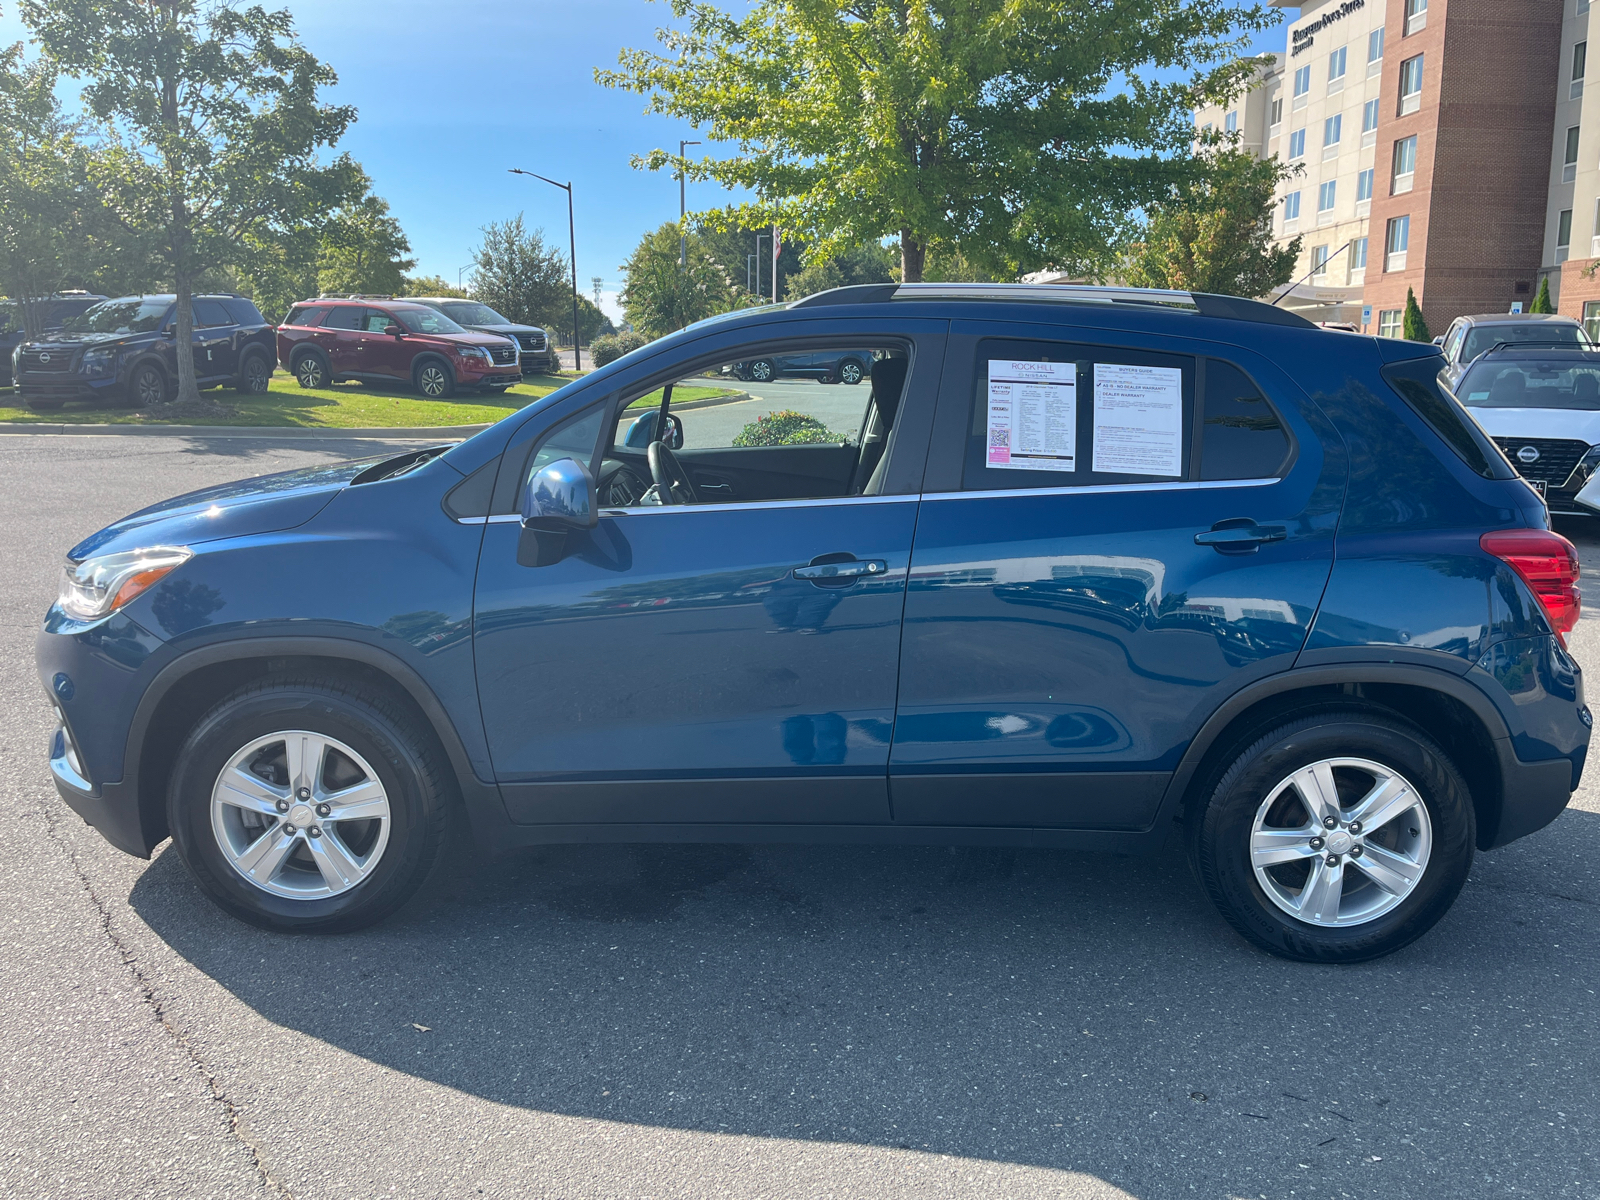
<point>232,1114</point>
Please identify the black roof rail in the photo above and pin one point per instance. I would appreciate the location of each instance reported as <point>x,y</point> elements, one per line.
<point>1541,344</point>
<point>1205,304</point>
<point>354,296</point>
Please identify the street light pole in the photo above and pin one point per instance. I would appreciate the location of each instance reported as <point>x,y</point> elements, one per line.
<point>572,241</point>
<point>760,237</point>
<point>683,230</point>
<point>458,274</point>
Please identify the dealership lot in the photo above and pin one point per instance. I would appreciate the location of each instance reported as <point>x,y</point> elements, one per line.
<point>751,1021</point>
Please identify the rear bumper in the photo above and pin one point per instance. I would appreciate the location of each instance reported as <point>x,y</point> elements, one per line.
<point>1533,794</point>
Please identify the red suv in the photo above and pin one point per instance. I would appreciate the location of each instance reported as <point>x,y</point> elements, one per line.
<point>380,339</point>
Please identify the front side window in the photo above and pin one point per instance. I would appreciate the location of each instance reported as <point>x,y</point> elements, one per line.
<point>1291,207</point>
<point>1364,185</point>
<point>1056,414</point>
<point>1411,85</point>
<point>1326,195</point>
<point>378,321</point>
<point>1297,144</point>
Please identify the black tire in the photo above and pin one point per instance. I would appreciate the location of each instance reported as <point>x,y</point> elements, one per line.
<point>46,405</point>
<point>1221,833</point>
<point>311,370</point>
<point>255,375</point>
<point>434,379</point>
<point>408,763</point>
<point>851,371</point>
<point>148,386</point>
<point>762,370</point>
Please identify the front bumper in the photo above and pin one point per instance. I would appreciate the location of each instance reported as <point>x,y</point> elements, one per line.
<point>112,809</point>
<point>57,387</point>
<point>538,362</point>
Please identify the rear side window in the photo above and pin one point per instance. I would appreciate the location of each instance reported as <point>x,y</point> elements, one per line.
<point>243,312</point>
<point>1241,436</point>
<point>209,314</point>
<point>345,316</point>
<point>1416,381</point>
<point>305,316</point>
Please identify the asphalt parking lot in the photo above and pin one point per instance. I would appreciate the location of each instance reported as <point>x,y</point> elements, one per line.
<point>750,1021</point>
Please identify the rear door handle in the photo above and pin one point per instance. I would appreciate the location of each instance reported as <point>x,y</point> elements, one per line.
<point>1240,535</point>
<point>842,570</point>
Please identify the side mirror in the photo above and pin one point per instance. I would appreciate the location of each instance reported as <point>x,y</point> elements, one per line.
<point>394,331</point>
<point>558,500</point>
<point>1439,341</point>
<point>643,431</point>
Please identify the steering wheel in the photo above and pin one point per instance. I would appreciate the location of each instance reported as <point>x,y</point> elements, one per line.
<point>669,474</point>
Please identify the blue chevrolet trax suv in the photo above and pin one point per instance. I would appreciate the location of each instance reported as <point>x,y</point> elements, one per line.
<point>1078,568</point>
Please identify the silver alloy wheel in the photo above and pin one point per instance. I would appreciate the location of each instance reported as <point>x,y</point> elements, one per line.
<point>761,370</point>
<point>300,815</point>
<point>1341,842</point>
<point>431,380</point>
<point>309,371</point>
<point>850,372</point>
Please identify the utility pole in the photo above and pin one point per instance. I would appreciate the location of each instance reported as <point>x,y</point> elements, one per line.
<point>572,237</point>
<point>775,248</point>
<point>683,230</point>
<point>458,274</point>
<point>756,291</point>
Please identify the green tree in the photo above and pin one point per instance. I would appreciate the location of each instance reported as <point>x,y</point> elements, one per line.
<point>1215,235</point>
<point>212,125</point>
<point>592,322</point>
<point>1020,133</point>
<point>431,285</point>
<point>363,250</point>
<point>518,275</point>
<point>660,295</point>
<point>1413,327</point>
<point>869,262</point>
<point>1541,302</point>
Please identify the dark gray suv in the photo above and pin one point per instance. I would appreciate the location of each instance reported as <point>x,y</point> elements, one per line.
<point>537,355</point>
<point>1469,337</point>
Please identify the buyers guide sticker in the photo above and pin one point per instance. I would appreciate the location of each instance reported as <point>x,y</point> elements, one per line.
<point>1033,415</point>
<point>1138,420</point>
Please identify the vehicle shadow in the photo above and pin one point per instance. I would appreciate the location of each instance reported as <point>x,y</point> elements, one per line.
<point>1048,1008</point>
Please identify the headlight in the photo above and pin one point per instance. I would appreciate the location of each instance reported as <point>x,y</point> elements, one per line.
<point>1585,469</point>
<point>477,352</point>
<point>98,362</point>
<point>99,586</point>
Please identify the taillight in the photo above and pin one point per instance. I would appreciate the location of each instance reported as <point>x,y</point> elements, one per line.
<point>1548,564</point>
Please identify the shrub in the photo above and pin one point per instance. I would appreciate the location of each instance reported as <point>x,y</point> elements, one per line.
<point>1412,324</point>
<point>1541,302</point>
<point>614,345</point>
<point>786,428</point>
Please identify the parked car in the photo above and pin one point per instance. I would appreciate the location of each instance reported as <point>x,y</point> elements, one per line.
<point>830,366</point>
<point>538,355</point>
<point>1098,574</point>
<point>376,339</point>
<point>124,351</point>
<point>55,312</point>
<point>1468,337</point>
<point>1541,404</point>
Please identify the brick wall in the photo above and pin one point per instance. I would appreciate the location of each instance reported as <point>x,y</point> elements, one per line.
<point>1576,289</point>
<point>1483,156</point>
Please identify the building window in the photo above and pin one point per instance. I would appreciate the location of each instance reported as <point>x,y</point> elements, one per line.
<point>1276,117</point>
<point>1411,85</point>
<point>1291,207</point>
<point>1416,15</point>
<point>1594,240</point>
<point>1364,184</point>
<point>1583,7</point>
<point>1319,261</point>
<point>1580,66</point>
<point>1563,234</point>
<point>1331,130</point>
<point>1302,86</point>
<point>1336,62</point>
<point>1326,195</point>
<point>1591,319</point>
<point>1375,51</point>
<point>1231,121</point>
<point>1389,323</point>
<point>1405,165</point>
<point>1369,122</point>
<point>1395,243</point>
<point>1297,144</point>
<point>1358,254</point>
<point>1569,164</point>
<point>1206,128</point>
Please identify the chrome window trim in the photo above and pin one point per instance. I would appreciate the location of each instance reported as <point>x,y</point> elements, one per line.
<point>731,506</point>
<point>1101,489</point>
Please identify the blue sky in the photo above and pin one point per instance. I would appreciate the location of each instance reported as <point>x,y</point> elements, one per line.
<point>452,94</point>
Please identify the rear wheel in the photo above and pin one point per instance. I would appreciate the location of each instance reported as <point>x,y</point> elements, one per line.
<point>762,370</point>
<point>851,371</point>
<point>311,370</point>
<point>254,375</point>
<point>434,379</point>
<point>300,805</point>
<point>1338,837</point>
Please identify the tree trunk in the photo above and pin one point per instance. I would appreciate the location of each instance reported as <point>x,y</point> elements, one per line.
<point>912,256</point>
<point>183,338</point>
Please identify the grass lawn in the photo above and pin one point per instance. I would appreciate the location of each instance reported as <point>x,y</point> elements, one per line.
<point>343,406</point>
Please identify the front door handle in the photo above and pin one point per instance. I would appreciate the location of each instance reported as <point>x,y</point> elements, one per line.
<point>853,569</point>
<point>1239,535</point>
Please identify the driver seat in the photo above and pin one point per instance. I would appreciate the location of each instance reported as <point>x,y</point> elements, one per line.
<point>888,382</point>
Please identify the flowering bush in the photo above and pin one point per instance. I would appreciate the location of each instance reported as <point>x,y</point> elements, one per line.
<point>786,428</point>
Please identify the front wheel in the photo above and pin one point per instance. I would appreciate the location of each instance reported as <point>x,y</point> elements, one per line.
<point>762,370</point>
<point>148,387</point>
<point>301,805</point>
<point>435,380</point>
<point>1338,837</point>
<point>851,372</point>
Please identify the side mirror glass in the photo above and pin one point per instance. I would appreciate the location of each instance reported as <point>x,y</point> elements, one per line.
<point>560,499</point>
<point>394,331</point>
<point>643,431</point>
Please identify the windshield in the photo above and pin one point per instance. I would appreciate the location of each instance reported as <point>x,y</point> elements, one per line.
<point>1532,383</point>
<point>426,320</point>
<point>1483,337</point>
<point>120,316</point>
<point>476,314</point>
